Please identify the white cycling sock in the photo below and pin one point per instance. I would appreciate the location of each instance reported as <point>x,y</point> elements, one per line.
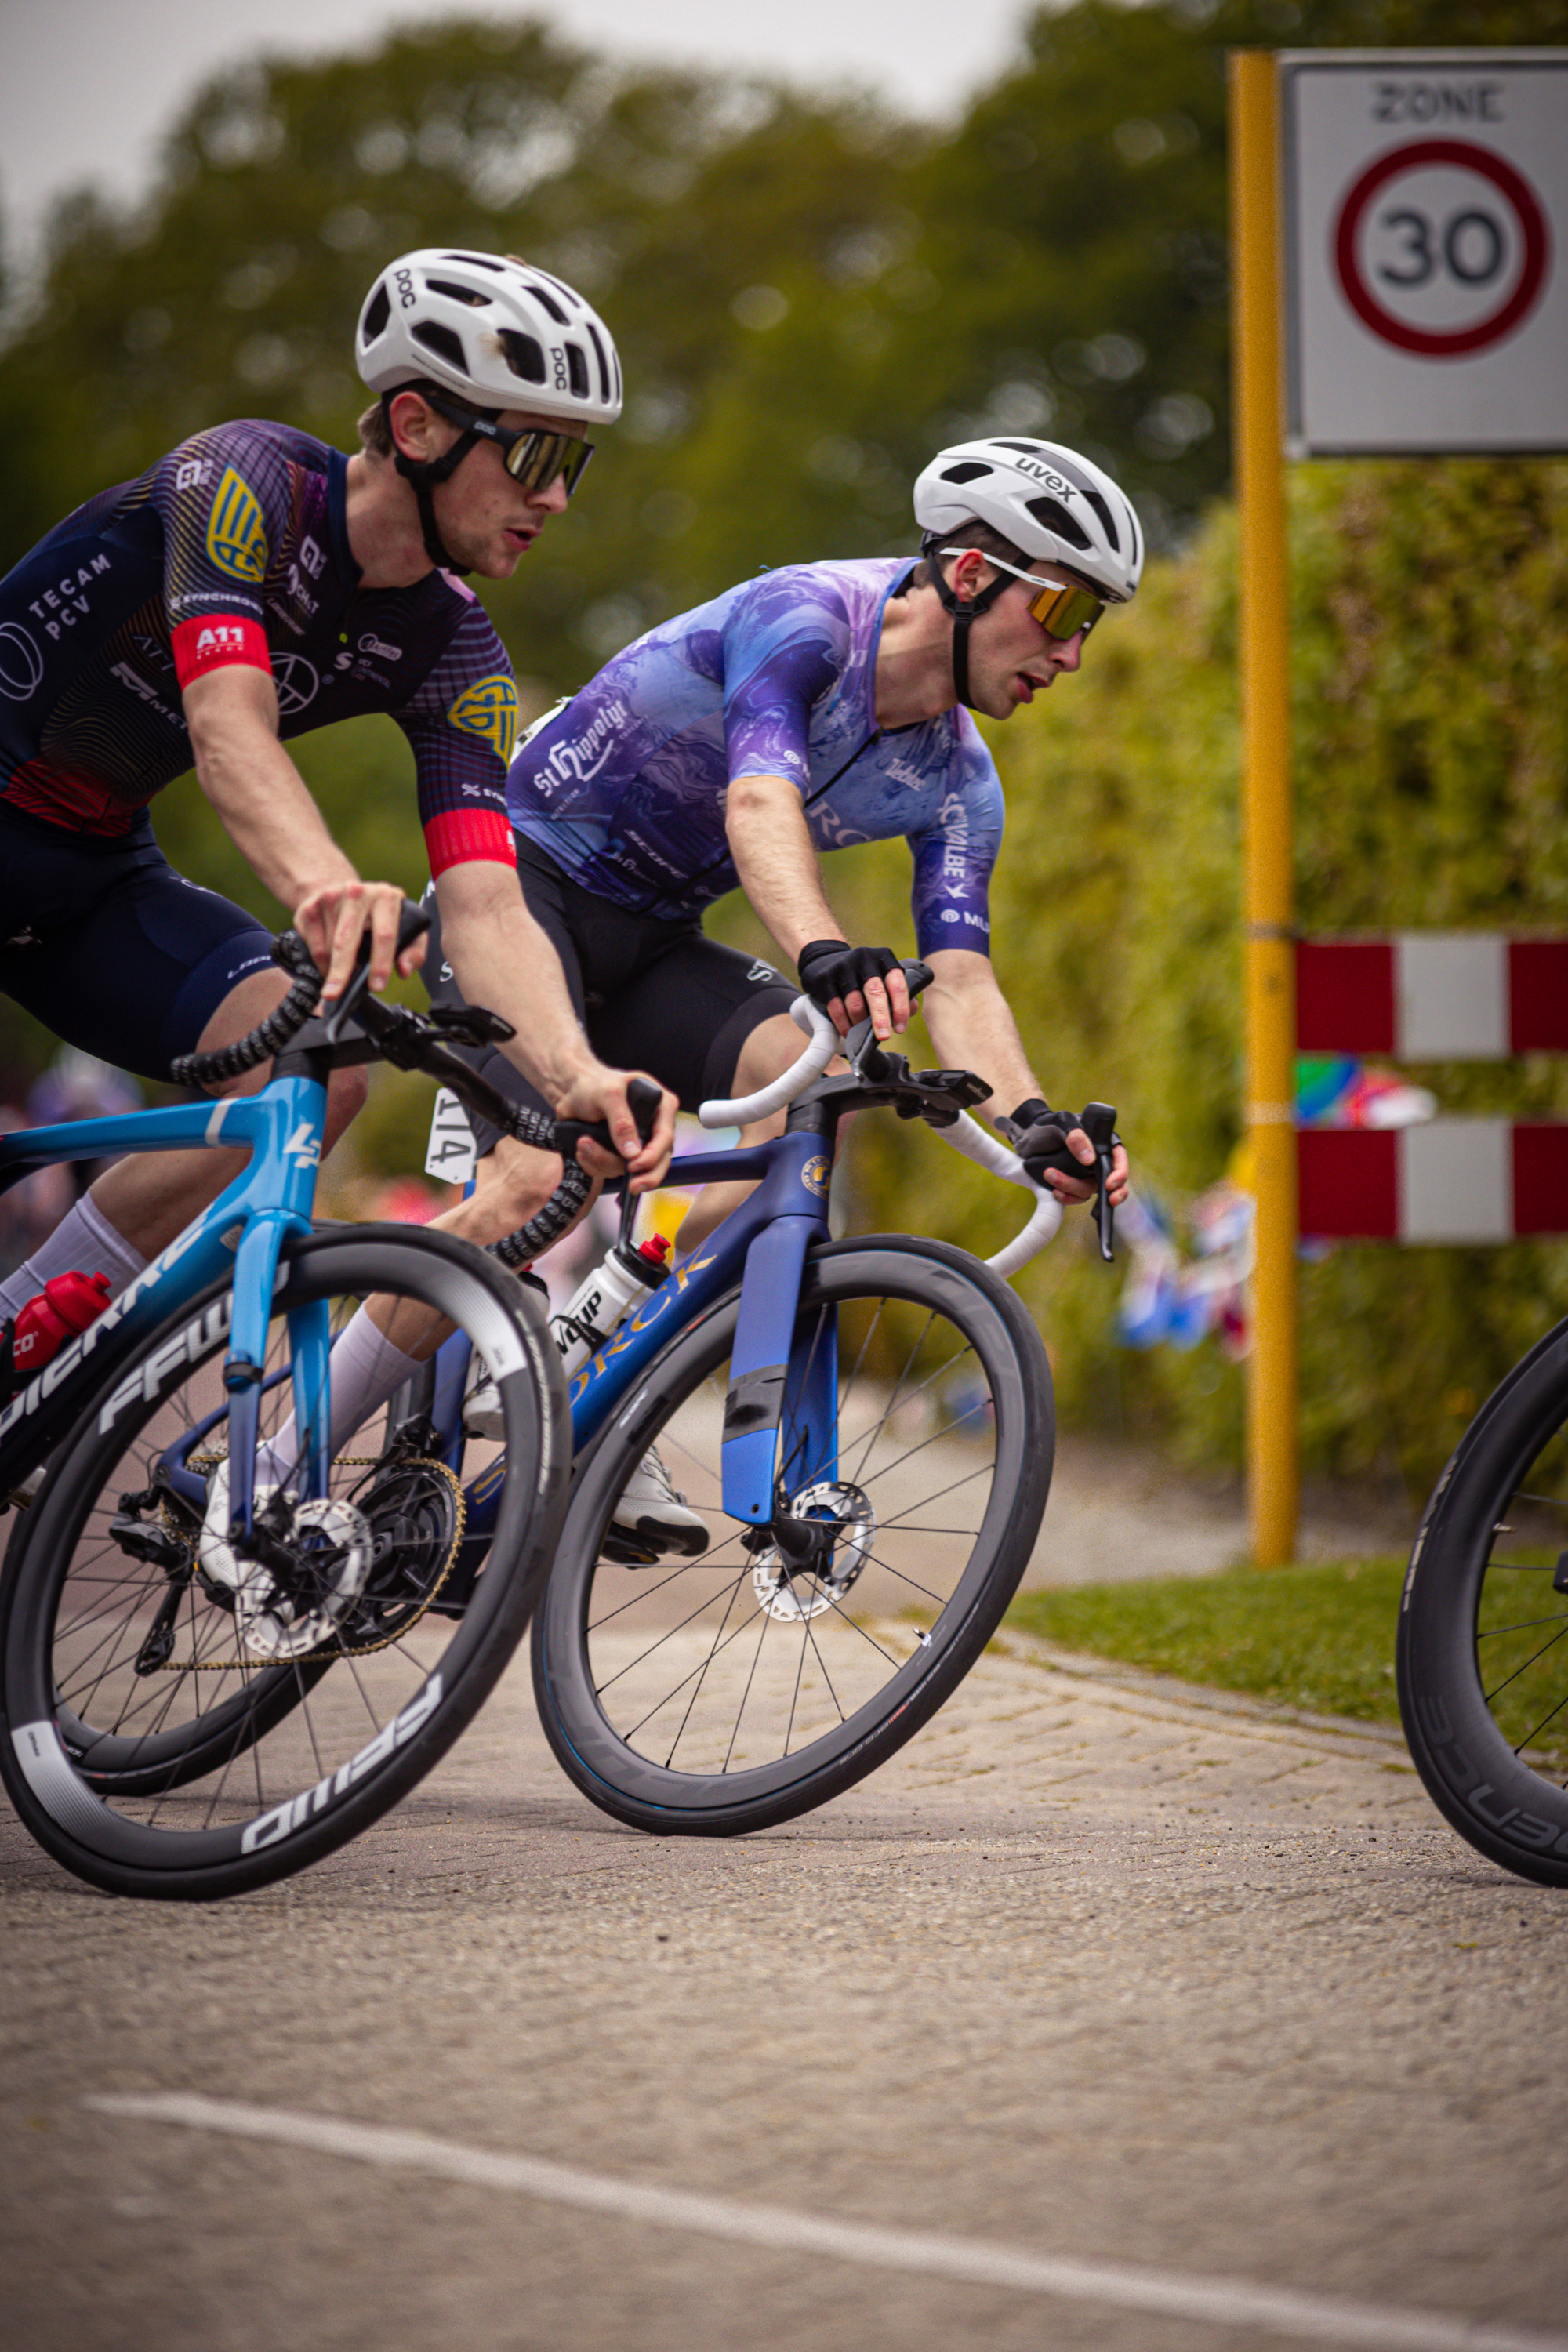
<point>83,1242</point>
<point>366,1369</point>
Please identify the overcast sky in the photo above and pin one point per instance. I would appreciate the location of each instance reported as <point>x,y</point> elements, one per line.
<point>87,86</point>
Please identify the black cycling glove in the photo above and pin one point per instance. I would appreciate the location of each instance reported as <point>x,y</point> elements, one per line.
<point>1039,1136</point>
<point>830,968</point>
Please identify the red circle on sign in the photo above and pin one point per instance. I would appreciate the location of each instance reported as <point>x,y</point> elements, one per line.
<point>1430,343</point>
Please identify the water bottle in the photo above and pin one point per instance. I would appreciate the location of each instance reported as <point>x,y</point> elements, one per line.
<point>62,1309</point>
<point>597,1304</point>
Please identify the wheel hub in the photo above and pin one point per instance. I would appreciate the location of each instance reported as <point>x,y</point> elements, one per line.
<point>285,1613</point>
<point>794,1580</point>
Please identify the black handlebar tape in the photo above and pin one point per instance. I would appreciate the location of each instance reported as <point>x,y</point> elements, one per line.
<point>547,1224</point>
<point>268,1038</point>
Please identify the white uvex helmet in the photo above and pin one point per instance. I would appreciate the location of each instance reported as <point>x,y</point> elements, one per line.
<point>491,330</point>
<point>1047,500</point>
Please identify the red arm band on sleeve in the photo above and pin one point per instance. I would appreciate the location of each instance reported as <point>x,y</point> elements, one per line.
<point>214,642</point>
<point>459,836</point>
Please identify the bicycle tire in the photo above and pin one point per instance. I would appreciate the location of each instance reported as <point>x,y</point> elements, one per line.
<point>995,1393</point>
<point>1482,1649</point>
<point>182,1761</point>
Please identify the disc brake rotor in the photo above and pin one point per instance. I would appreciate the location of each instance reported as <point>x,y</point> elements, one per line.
<point>793,1595</point>
<point>274,1623</point>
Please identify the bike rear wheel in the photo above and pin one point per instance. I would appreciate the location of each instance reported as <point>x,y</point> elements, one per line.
<point>718,1694</point>
<point>171,1735</point>
<point>1483,1626</point>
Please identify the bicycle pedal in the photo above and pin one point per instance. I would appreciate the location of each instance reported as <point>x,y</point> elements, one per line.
<point>625,1549</point>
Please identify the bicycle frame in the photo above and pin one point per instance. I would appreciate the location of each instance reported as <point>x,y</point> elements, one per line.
<point>773,1375</point>
<point>244,1228</point>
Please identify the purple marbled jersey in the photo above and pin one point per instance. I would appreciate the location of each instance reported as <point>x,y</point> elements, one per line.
<point>623,786</point>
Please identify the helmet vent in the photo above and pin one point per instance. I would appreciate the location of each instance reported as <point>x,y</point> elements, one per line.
<point>377,311</point>
<point>523,355</point>
<point>476,261</point>
<point>966,471</point>
<point>548,302</point>
<point>1102,509</point>
<point>434,337</point>
<point>1025,448</point>
<point>577,370</point>
<point>599,356</point>
<point>458,293</point>
<point>1051,515</point>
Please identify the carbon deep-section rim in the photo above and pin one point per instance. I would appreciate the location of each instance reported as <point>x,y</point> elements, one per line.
<point>718,1693</point>
<point>152,1741</point>
<point>1483,1626</point>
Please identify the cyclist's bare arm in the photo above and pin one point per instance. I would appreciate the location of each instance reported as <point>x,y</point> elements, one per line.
<point>500,958</point>
<point>269,813</point>
<point>972,1028</point>
<point>776,861</point>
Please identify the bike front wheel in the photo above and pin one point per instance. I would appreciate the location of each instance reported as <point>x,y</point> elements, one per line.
<point>177,1728</point>
<point>1483,1626</point>
<point>712,1695</point>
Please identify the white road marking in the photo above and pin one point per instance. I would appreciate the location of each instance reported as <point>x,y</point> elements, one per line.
<point>1226,2303</point>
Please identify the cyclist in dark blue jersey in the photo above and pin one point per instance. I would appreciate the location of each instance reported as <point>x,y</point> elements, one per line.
<point>253,584</point>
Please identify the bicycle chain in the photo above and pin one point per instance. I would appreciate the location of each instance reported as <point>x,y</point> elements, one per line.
<point>205,1464</point>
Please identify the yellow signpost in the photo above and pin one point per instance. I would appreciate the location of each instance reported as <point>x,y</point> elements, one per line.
<point>1427,193</point>
<point>1267,823</point>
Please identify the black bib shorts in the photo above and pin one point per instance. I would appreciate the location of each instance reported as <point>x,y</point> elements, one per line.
<point>651,996</point>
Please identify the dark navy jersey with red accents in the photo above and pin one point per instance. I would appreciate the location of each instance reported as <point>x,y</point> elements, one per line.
<point>234,548</point>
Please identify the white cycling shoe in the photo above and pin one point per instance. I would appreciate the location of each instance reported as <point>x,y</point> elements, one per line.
<point>484,1413</point>
<point>652,1514</point>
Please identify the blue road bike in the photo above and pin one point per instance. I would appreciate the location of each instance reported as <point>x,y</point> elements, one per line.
<point>196,1700</point>
<point>864,1431</point>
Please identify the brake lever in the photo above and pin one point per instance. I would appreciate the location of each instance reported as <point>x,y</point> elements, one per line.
<point>412,924</point>
<point>1098,1123</point>
<point>860,1048</point>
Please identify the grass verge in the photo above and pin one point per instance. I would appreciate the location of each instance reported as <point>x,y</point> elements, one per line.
<point>1319,1637</point>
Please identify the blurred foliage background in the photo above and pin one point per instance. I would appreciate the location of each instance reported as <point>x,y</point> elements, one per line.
<point>810,294</point>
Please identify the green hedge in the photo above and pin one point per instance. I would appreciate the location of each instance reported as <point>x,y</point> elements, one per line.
<point>1431,698</point>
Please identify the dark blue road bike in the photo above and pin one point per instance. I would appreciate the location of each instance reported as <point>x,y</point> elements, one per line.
<point>863,1430</point>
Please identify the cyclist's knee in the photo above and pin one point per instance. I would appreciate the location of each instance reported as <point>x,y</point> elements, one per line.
<point>770,1049</point>
<point>346,1093</point>
<point>512,1184</point>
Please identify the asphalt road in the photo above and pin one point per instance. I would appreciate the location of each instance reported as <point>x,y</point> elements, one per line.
<point>1098,1973</point>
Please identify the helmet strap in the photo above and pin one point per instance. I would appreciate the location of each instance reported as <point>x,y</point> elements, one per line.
<point>963,616</point>
<point>423,474</point>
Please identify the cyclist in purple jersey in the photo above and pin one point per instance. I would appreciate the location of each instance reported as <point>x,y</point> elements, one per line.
<point>252,584</point>
<point>806,710</point>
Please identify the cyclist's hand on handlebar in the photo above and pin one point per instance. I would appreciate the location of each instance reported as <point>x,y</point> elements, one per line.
<point>600,1097</point>
<point>333,920</point>
<point>1042,1139</point>
<point>855,984</point>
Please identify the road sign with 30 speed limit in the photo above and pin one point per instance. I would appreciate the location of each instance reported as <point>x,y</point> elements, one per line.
<point>1427,250</point>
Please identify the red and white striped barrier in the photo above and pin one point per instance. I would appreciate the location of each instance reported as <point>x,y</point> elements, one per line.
<point>1456,1180</point>
<point>1433,996</point>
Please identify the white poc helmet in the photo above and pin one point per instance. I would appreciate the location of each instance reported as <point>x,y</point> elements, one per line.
<point>491,330</point>
<point>1047,500</point>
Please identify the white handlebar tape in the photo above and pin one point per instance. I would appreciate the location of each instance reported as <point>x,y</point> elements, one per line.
<point>988,1151</point>
<point>796,1078</point>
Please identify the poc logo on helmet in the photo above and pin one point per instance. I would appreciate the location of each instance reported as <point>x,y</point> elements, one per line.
<point>558,362</point>
<point>405,294</point>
